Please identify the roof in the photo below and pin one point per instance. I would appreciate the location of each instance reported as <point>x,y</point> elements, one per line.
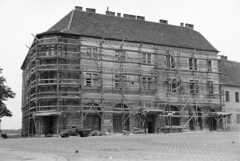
<point>132,30</point>
<point>230,72</point>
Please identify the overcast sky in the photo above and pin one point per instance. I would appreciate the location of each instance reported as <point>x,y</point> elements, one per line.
<point>217,20</point>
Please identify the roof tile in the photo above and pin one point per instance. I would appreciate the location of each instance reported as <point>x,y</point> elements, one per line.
<point>92,24</point>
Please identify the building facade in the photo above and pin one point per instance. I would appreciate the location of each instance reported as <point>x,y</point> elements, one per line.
<point>231,81</point>
<point>113,73</point>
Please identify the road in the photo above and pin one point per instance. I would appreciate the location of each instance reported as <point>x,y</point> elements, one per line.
<point>197,146</point>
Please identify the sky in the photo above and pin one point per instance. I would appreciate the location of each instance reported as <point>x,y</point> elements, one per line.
<point>217,20</point>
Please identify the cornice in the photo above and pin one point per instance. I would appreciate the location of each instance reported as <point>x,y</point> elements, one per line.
<point>148,46</point>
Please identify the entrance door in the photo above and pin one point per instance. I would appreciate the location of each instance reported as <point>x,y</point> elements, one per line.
<point>48,125</point>
<point>117,123</point>
<point>150,123</point>
<point>32,129</point>
<point>150,127</point>
<point>212,123</point>
<point>92,122</point>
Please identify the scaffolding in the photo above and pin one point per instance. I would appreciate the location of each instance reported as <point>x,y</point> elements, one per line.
<point>65,75</point>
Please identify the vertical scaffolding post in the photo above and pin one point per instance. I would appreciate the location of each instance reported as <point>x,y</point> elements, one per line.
<point>81,89</point>
<point>58,80</point>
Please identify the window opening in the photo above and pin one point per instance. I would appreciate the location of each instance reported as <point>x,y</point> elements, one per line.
<point>210,87</point>
<point>227,96</point>
<point>194,86</point>
<point>92,79</point>
<point>120,56</point>
<point>146,58</point>
<point>236,96</point>
<point>209,65</point>
<point>147,82</point>
<point>118,80</point>
<point>192,64</point>
<point>170,61</point>
<point>172,85</point>
<point>93,52</point>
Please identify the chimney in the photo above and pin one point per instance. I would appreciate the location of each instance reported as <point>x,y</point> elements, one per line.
<point>129,16</point>
<point>78,8</point>
<point>119,14</point>
<point>91,10</point>
<point>140,18</point>
<point>189,26</point>
<point>109,13</point>
<point>163,21</point>
<point>182,24</point>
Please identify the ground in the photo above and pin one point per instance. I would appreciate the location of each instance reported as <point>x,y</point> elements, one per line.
<point>197,146</point>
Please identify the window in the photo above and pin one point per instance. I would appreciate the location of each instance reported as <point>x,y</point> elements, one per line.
<point>236,96</point>
<point>88,79</point>
<point>227,96</point>
<point>238,118</point>
<point>120,56</point>
<point>170,62</point>
<point>146,58</point>
<point>194,86</point>
<point>95,53</point>
<point>118,80</point>
<point>209,65</point>
<point>92,52</point>
<point>210,87</point>
<point>192,64</point>
<point>172,85</point>
<point>92,79</point>
<point>146,82</point>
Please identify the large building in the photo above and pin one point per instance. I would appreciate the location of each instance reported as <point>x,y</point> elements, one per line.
<point>231,81</point>
<point>113,72</point>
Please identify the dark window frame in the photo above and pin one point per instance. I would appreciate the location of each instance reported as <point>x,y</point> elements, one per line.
<point>227,96</point>
<point>209,65</point>
<point>91,79</point>
<point>194,90</point>
<point>237,96</point>
<point>193,63</point>
<point>147,82</point>
<point>210,87</point>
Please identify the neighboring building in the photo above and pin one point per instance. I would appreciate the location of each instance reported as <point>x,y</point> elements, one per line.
<point>108,72</point>
<point>231,81</point>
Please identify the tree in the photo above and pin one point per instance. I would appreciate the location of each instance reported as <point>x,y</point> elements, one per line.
<point>5,93</point>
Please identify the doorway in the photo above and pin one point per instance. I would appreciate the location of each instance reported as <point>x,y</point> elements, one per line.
<point>117,123</point>
<point>121,116</point>
<point>92,121</point>
<point>150,124</point>
<point>32,129</point>
<point>196,122</point>
<point>212,121</point>
<point>48,125</point>
<point>150,127</point>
